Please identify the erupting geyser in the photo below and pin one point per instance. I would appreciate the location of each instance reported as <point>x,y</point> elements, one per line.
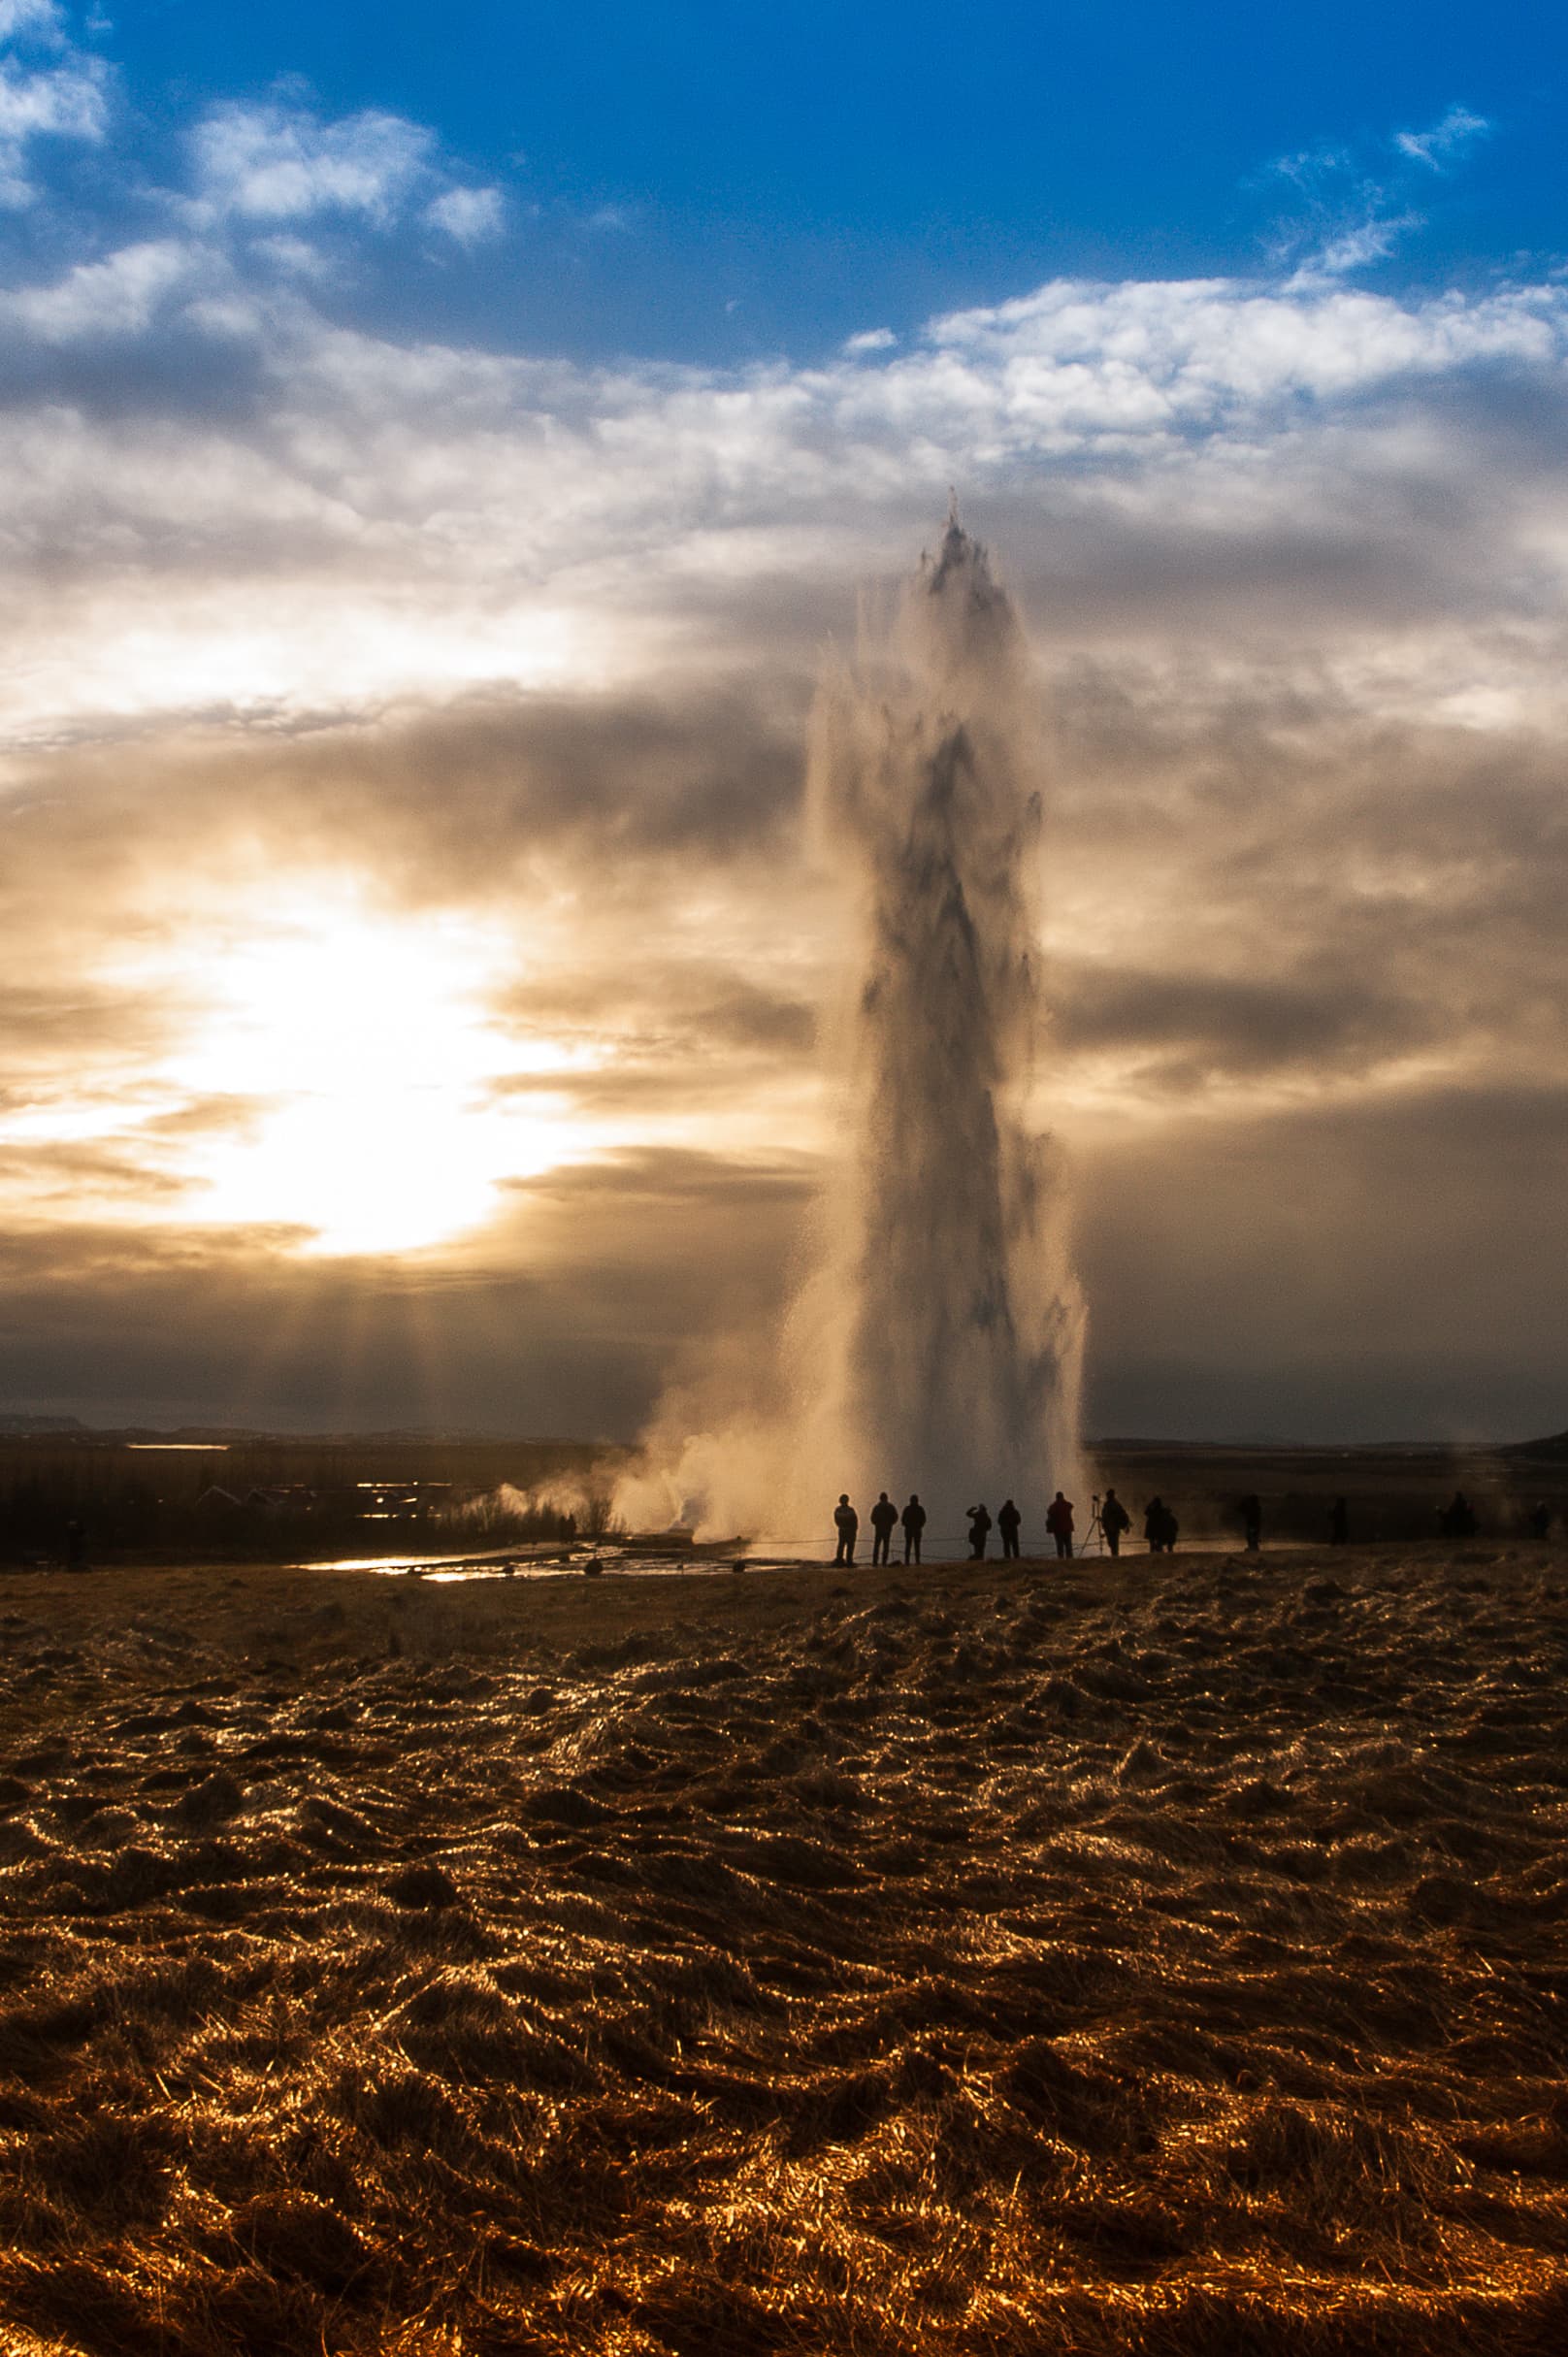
<point>946,1337</point>
<point>938,1347</point>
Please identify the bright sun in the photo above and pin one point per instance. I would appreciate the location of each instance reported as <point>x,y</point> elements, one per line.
<point>365,1048</point>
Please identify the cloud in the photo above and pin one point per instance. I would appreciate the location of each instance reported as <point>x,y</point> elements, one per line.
<point>1184,1031</point>
<point>284,164</point>
<point>1353,248</point>
<point>1075,364</point>
<point>1369,1271</point>
<point>167,1323</point>
<point>64,100</point>
<point>1352,217</point>
<point>1446,141</point>
<point>119,297</point>
<point>46,1024</point>
<point>334,521</point>
<point>485,641</point>
<point>469,216</point>
<point>280,163</point>
<point>43,19</point>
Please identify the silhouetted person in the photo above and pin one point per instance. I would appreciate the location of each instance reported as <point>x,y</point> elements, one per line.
<point>1540,1519</point>
<point>1009,1520</point>
<point>76,1546</point>
<point>979,1531</point>
<point>1457,1519</point>
<point>1339,1523</point>
<point>846,1521</point>
<point>913,1519</point>
<point>1114,1518</point>
<point>1058,1522</point>
<point>1160,1528</point>
<point>1252,1520</point>
<point>884,1519</point>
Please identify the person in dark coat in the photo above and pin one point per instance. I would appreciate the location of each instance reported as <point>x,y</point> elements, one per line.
<point>847,1522</point>
<point>1458,1519</point>
<point>1058,1522</point>
<point>1252,1520</point>
<point>884,1521</point>
<point>1114,1518</point>
<point>914,1522</point>
<point>1339,1523</point>
<point>1009,1520</point>
<point>1154,1525</point>
<point>979,1532</point>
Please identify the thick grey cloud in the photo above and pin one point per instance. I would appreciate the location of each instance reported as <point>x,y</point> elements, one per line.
<point>1385,1272</point>
<point>566,1318</point>
<point>1184,1031</point>
<point>1306,973</point>
<point>470,796</point>
<point>1377,1270</point>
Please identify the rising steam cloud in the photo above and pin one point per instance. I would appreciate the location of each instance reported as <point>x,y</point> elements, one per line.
<point>939,1343</point>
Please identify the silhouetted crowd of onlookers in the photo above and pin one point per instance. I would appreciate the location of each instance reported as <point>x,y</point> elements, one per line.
<point>1109,1523</point>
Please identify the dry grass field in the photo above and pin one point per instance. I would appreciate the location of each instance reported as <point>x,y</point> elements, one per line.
<point>1168,1958</point>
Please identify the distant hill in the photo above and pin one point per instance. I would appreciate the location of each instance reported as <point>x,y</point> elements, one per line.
<point>1554,1447</point>
<point>232,1436</point>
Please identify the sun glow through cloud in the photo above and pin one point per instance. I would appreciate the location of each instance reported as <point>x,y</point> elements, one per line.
<point>365,1052</point>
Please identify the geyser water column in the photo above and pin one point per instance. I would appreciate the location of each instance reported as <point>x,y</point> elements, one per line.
<point>938,1344</point>
<point>942,1343</point>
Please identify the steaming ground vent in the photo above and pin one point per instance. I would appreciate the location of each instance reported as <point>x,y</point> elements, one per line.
<point>1165,1959</point>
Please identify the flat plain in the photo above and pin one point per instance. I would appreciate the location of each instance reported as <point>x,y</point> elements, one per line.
<point>1166,1957</point>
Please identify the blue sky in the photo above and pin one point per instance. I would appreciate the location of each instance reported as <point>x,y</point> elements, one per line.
<point>716,183</point>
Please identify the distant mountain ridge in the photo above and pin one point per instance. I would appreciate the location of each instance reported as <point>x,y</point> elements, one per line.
<point>14,1424</point>
<point>1555,1446</point>
<point>17,1426</point>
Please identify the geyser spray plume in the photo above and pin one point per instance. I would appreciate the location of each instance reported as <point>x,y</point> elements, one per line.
<point>938,1344</point>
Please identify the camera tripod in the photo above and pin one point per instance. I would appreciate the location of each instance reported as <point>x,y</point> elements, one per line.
<point>1095,1531</point>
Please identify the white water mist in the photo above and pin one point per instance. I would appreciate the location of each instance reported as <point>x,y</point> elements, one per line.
<point>938,1345</point>
<point>950,1324</point>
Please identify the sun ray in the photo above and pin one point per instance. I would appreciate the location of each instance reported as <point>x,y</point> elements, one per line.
<point>352,1057</point>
